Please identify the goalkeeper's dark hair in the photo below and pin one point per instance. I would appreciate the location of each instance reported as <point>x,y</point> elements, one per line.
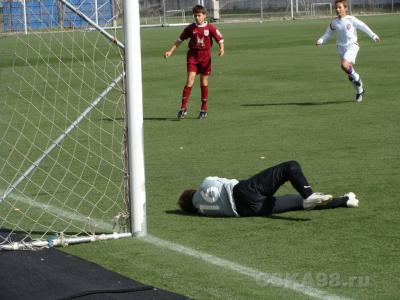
<point>185,201</point>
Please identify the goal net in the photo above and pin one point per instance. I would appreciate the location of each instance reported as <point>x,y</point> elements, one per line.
<point>321,8</point>
<point>64,171</point>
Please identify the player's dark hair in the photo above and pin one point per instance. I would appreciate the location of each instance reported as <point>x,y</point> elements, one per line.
<point>344,2</point>
<point>199,9</point>
<point>185,201</point>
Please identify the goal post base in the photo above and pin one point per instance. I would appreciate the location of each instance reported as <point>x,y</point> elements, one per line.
<point>60,240</point>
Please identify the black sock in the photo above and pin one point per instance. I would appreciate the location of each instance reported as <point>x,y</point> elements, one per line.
<point>334,203</point>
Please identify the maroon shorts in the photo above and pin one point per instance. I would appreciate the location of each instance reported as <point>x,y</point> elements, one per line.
<point>199,61</point>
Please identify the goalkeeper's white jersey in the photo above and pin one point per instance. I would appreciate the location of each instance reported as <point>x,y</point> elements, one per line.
<point>214,197</point>
<point>346,31</point>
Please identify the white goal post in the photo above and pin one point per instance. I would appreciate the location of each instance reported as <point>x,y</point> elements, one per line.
<point>71,130</point>
<point>134,102</point>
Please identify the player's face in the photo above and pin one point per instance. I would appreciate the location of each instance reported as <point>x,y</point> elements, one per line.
<point>341,10</point>
<point>199,18</point>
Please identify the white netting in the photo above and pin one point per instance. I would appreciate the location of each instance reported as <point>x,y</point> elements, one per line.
<point>62,125</point>
<point>156,11</point>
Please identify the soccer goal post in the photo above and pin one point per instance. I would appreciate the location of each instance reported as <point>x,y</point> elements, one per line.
<point>71,126</point>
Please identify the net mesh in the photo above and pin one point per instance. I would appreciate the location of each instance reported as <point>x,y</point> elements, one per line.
<point>62,128</point>
<point>156,11</point>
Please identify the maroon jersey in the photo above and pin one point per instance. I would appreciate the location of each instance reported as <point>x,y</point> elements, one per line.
<point>201,36</point>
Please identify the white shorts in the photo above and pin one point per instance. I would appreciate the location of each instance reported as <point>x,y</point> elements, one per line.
<point>348,53</point>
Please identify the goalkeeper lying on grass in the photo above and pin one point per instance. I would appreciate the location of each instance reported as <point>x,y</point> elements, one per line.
<point>255,196</point>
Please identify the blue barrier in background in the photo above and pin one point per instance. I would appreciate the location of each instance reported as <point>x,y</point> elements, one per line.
<point>51,14</point>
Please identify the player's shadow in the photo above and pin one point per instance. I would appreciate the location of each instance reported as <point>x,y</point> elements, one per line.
<point>174,119</point>
<point>296,103</point>
<point>145,118</point>
<point>276,217</point>
<point>161,119</point>
<point>186,214</point>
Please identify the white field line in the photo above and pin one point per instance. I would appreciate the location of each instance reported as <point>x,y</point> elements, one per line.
<point>64,213</point>
<point>262,277</point>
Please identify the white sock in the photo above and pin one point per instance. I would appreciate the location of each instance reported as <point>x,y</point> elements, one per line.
<point>353,74</point>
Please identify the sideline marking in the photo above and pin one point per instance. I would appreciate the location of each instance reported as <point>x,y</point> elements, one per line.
<point>214,260</point>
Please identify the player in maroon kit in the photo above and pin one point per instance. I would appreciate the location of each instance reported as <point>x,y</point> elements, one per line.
<point>198,58</point>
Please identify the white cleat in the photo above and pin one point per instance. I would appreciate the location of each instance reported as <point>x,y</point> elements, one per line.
<point>353,201</point>
<point>316,199</point>
<point>359,96</point>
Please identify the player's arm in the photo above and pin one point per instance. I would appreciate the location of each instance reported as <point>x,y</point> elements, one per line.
<point>325,37</point>
<point>221,48</point>
<point>184,35</point>
<point>364,27</point>
<point>217,36</point>
<point>173,48</point>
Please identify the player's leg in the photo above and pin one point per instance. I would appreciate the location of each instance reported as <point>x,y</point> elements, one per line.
<point>348,59</point>
<point>204,69</point>
<point>295,202</point>
<point>347,200</point>
<point>192,70</point>
<point>287,203</point>
<point>269,181</point>
<point>191,76</point>
<point>204,96</point>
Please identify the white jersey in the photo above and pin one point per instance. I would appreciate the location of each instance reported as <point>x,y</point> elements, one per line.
<point>346,31</point>
<point>214,197</point>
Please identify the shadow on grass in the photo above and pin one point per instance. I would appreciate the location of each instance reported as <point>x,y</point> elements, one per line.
<point>161,119</point>
<point>181,213</point>
<point>170,119</point>
<point>146,119</point>
<point>288,218</point>
<point>298,103</point>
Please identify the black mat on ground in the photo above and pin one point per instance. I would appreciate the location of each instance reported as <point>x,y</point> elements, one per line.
<point>53,274</point>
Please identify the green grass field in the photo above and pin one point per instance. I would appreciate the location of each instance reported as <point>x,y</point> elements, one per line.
<point>273,95</point>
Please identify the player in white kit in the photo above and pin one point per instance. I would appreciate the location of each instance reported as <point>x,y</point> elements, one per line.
<point>345,27</point>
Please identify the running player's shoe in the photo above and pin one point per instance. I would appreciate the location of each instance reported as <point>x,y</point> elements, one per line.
<point>359,96</point>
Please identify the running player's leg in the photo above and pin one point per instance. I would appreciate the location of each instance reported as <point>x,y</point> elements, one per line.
<point>348,59</point>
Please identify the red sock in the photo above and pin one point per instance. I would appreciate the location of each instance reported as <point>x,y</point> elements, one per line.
<point>204,97</point>
<point>185,96</point>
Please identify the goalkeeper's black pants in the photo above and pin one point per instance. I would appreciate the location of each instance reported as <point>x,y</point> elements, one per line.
<point>255,196</point>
